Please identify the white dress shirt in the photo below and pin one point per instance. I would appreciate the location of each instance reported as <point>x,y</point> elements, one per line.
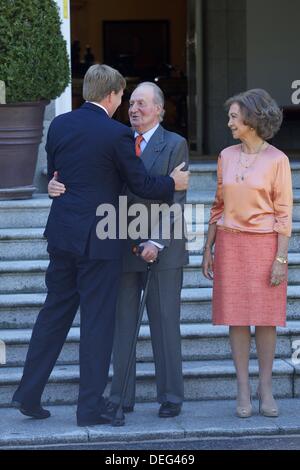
<point>146,137</point>
<point>98,104</point>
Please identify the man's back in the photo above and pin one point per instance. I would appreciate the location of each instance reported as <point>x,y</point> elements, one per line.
<point>80,147</point>
<point>93,155</point>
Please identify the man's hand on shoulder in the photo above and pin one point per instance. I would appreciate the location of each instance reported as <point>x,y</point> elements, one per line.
<point>55,188</point>
<point>180,177</point>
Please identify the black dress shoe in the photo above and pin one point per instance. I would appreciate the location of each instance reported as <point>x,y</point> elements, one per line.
<point>169,410</point>
<point>37,412</point>
<point>110,406</point>
<point>100,420</point>
<point>105,417</point>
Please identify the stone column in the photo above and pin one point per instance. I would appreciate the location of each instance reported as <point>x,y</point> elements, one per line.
<point>224,66</point>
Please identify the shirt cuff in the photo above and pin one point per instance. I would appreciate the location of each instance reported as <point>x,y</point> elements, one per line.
<point>158,245</point>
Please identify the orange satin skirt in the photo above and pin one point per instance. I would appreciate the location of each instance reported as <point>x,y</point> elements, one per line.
<point>242,295</point>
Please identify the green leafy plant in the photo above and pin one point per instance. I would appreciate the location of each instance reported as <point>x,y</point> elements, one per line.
<point>33,55</point>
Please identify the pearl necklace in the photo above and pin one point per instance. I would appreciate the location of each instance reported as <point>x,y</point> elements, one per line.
<point>240,176</point>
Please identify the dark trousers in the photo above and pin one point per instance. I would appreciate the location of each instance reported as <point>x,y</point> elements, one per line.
<point>163,309</point>
<point>74,281</point>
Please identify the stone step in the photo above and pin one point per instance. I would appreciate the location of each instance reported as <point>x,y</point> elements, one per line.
<point>23,276</point>
<point>22,243</point>
<point>202,424</point>
<point>199,342</point>
<point>203,380</point>
<point>30,213</point>
<point>29,244</point>
<point>20,310</point>
<point>28,276</point>
<point>204,172</point>
<point>33,213</point>
<point>207,174</point>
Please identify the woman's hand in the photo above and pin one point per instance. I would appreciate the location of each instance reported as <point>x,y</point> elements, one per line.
<point>208,264</point>
<point>278,274</point>
<point>54,187</point>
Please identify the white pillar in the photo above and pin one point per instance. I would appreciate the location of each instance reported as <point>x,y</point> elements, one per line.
<point>63,103</point>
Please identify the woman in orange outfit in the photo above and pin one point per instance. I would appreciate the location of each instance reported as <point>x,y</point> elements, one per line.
<point>250,225</point>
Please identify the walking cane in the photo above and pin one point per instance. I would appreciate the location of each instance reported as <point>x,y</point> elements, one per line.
<point>119,419</point>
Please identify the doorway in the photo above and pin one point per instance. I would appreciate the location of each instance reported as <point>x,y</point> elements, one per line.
<point>146,41</point>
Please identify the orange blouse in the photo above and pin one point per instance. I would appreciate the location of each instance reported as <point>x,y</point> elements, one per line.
<point>260,203</point>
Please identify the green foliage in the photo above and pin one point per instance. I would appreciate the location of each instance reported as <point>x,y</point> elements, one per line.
<point>33,55</point>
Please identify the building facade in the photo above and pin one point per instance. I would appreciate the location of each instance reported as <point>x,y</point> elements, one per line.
<point>208,50</point>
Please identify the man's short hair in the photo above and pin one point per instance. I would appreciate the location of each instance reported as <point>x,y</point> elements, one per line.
<point>100,81</point>
<point>158,97</point>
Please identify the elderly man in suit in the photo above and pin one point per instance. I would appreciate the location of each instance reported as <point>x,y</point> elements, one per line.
<point>161,151</point>
<point>94,156</point>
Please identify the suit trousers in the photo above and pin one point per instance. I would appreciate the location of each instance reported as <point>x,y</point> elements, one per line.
<point>163,309</point>
<point>74,281</point>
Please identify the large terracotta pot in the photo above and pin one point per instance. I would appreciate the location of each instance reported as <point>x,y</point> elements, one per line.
<point>21,130</point>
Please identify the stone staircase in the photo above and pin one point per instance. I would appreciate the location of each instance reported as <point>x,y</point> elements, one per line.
<point>207,365</point>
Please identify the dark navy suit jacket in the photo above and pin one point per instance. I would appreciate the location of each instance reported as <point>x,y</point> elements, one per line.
<point>94,155</point>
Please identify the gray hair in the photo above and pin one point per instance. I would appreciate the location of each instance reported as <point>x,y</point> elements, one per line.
<point>259,110</point>
<point>158,97</point>
<point>100,81</point>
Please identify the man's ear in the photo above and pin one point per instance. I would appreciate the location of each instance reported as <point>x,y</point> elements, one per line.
<point>108,98</point>
<point>111,96</point>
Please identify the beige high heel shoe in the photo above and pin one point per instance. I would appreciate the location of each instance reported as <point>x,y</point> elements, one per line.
<point>267,410</point>
<point>244,411</point>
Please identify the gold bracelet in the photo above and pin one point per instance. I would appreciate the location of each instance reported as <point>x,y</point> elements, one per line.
<point>281,259</point>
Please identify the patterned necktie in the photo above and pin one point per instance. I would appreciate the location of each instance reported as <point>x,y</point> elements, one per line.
<point>138,141</point>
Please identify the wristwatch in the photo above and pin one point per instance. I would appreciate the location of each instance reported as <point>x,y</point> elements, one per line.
<point>281,259</point>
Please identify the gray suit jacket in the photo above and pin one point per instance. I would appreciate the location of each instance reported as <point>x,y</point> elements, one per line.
<point>164,151</point>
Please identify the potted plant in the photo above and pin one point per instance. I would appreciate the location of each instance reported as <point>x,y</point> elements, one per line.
<point>34,69</point>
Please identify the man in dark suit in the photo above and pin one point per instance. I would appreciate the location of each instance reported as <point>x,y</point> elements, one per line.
<point>93,156</point>
<point>161,151</point>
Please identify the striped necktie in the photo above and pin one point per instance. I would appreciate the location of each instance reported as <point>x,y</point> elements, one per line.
<point>138,140</point>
